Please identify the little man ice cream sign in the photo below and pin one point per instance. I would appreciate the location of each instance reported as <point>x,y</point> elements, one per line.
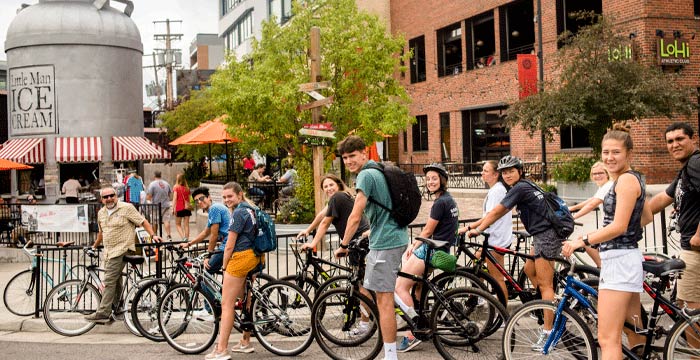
<point>32,100</point>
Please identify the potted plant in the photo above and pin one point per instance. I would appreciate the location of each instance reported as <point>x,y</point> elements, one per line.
<point>572,174</point>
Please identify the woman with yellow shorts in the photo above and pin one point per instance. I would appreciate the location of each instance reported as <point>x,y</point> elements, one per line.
<point>239,260</point>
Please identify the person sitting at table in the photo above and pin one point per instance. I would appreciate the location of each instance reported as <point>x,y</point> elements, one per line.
<point>289,180</point>
<point>257,176</point>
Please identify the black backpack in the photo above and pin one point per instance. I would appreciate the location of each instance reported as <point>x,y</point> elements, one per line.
<point>557,214</point>
<point>405,195</point>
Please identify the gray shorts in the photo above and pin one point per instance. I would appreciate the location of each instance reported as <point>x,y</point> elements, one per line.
<point>382,269</point>
<point>547,244</point>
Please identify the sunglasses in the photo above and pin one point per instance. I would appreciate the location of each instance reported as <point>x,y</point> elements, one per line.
<point>108,196</point>
<point>199,199</point>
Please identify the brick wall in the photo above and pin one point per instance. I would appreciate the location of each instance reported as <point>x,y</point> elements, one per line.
<point>499,85</point>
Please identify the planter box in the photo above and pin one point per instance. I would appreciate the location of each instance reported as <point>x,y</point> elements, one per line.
<point>573,192</point>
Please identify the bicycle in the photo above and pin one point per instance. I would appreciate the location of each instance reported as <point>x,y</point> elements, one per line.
<point>19,295</point>
<point>67,303</point>
<point>518,334</point>
<point>144,306</point>
<point>311,273</point>
<point>458,319</point>
<point>277,315</point>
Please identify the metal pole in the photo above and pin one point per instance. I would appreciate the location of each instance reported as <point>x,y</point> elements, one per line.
<point>155,70</point>
<point>315,54</point>
<point>540,86</point>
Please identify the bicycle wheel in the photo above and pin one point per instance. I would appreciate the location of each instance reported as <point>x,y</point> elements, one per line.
<point>282,319</point>
<point>683,342</point>
<point>67,304</point>
<point>125,310</point>
<point>336,282</point>
<point>463,322</point>
<point>522,331</point>
<point>185,332</point>
<point>335,318</point>
<point>144,308</point>
<point>305,282</point>
<point>488,283</point>
<point>19,297</point>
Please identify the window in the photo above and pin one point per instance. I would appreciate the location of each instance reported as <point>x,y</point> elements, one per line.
<point>280,9</point>
<point>228,5</point>
<point>239,32</point>
<point>481,45</point>
<point>485,134</point>
<point>517,30</point>
<point>565,15</point>
<point>449,50</point>
<point>417,46</point>
<point>445,135</point>
<point>420,133</point>
<point>405,141</point>
<point>696,8</point>
<point>573,137</point>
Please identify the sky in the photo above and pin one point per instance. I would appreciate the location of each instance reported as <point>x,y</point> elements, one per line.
<point>200,16</point>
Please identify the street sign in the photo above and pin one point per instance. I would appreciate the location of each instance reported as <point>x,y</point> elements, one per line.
<point>315,95</point>
<point>317,133</point>
<point>315,104</point>
<point>314,86</point>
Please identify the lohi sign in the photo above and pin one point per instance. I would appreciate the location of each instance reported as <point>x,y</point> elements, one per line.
<point>673,52</point>
<point>32,100</point>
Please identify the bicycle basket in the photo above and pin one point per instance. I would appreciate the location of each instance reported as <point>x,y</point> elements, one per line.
<point>443,260</point>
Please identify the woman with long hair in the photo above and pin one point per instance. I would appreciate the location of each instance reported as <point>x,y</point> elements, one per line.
<point>239,260</point>
<point>181,199</point>
<point>621,274</point>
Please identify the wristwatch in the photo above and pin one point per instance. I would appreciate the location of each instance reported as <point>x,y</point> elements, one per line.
<point>585,240</point>
<point>343,246</point>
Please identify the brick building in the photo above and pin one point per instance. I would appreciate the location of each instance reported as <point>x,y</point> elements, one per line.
<point>463,75</point>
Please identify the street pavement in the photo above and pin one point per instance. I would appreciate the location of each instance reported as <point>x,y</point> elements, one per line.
<point>30,338</point>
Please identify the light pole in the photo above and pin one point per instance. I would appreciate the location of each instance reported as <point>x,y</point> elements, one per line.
<point>540,86</point>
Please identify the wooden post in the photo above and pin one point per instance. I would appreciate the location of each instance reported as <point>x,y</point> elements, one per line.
<point>315,55</point>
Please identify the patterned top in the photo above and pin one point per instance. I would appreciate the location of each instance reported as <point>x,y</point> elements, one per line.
<point>118,229</point>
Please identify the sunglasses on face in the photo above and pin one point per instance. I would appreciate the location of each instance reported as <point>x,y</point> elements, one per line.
<point>108,196</point>
<point>199,199</point>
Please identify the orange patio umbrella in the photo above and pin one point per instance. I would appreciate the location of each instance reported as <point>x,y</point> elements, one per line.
<point>11,165</point>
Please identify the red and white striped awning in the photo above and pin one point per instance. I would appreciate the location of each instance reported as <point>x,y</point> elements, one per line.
<point>131,148</point>
<point>24,150</point>
<point>78,149</point>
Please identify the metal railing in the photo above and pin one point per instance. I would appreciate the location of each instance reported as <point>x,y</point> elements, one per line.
<point>468,175</point>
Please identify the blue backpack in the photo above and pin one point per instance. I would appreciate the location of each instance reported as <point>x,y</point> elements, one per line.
<point>266,238</point>
<point>557,212</point>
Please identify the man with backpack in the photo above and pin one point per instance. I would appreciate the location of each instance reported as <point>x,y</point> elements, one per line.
<point>684,194</point>
<point>388,240</point>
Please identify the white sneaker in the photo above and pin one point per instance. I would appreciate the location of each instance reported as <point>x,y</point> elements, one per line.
<point>202,315</point>
<point>541,340</point>
<point>359,330</point>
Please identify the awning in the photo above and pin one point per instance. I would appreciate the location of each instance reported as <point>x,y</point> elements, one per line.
<point>78,149</point>
<point>24,150</point>
<point>131,148</point>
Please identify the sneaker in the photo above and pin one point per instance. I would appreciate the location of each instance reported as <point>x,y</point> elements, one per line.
<point>401,324</point>
<point>359,330</point>
<point>202,315</point>
<point>217,356</point>
<point>541,340</point>
<point>406,344</point>
<point>240,348</point>
<point>98,318</point>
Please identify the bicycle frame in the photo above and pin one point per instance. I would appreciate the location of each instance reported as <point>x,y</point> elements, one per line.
<point>315,263</point>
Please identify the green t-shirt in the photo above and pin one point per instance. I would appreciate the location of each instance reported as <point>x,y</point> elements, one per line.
<point>385,232</point>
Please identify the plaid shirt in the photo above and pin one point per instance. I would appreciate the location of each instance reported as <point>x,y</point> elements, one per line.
<point>118,229</point>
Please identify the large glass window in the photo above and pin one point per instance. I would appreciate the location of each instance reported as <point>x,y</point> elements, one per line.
<point>485,135</point>
<point>420,133</point>
<point>481,44</point>
<point>573,137</point>
<point>239,32</point>
<point>517,31</point>
<point>696,8</point>
<point>566,10</point>
<point>449,50</point>
<point>445,136</point>
<point>417,46</point>
<point>228,5</point>
<point>281,9</point>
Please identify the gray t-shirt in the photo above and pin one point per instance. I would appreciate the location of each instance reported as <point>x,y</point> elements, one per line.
<point>160,192</point>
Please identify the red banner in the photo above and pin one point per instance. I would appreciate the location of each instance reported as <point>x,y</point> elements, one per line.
<point>527,74</point>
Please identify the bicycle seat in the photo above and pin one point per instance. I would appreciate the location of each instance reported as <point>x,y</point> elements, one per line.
<point>65,243</point>
<point>134,259</point>
<point>432,243</point>
<point>521,234</point>
<point>663,268</point>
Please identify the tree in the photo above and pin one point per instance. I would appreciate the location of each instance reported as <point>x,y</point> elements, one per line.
<point>593,88</point>
<point>260,92</point>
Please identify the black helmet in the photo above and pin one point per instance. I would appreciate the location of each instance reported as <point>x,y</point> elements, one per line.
<point>438,168</point>
<point>508,161</point>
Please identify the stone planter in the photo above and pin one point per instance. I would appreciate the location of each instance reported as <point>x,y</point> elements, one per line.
<point>573,192</point>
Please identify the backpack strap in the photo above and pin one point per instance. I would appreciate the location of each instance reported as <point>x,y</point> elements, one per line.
<point>379,167</point>
<point>254,217</point>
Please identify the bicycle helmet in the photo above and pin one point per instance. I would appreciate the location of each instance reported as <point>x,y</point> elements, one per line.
<point>509,161</point>
<point>438,168</point>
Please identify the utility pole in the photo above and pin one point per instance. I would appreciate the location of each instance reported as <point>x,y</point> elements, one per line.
<point>169,59</point>
<point>317,154</point>
<point>540,85</point>
<point>155,70</point>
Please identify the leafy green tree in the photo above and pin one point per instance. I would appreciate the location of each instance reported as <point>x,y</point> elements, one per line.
<point>593,89</point>
<point>260,92</point>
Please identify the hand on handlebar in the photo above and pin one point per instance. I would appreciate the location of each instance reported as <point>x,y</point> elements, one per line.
<point>340,252</point>
<point>568,247</point>
<point>473,233</point>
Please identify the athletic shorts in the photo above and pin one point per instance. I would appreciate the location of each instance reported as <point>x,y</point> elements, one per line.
<point>242,262</point>
<point>183,213</point>
<point>547,244</point>
<point>166,213</point>
<point>382,269</point>
<point>621,270</point>
<point>689,282</point>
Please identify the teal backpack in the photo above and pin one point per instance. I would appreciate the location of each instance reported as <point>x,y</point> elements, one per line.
<point>264,228</point>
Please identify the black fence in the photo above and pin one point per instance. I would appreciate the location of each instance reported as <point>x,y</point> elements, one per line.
<point>468,175</point>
